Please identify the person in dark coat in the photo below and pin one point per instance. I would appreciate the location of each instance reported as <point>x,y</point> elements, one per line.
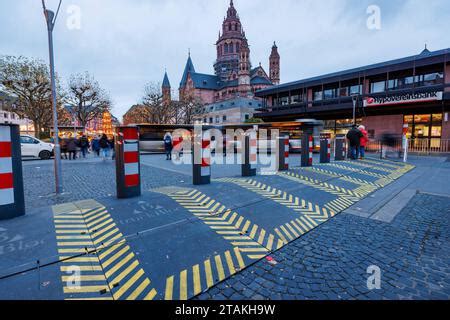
<point>95,145</point>
<point>84,145</point>
<point>354,137</point>
<point>168,146</point>
<point>72,145</point>
<point>63,146</point>
<point>104,146</point>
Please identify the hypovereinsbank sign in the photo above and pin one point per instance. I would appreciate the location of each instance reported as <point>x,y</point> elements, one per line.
<point>403,98</point>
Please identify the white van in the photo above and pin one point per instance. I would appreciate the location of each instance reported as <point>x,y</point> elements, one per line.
<point>32,147</point>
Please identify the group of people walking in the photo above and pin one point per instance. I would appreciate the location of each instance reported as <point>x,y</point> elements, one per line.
<point>73,148</point>
<point>358,139</point>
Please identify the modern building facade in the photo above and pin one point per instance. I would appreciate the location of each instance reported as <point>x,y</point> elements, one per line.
<point>412,91</point>
<point>234,78</point>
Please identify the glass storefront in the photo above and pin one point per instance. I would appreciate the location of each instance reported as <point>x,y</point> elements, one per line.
<point>424,128</point>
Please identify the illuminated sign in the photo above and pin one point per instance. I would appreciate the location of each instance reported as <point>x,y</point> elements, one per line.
<point>403,98</point>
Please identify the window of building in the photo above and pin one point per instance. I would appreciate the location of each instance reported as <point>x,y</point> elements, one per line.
<point>210,120</point>
<point>424,126</point>
<point>330,93</point>
<point>317,95</point>
<point>217,119</point>
<point>429,79</point>
<point>376,87</point>
<point>224,118</point>
<point>356,89</point>
<point>247,117</point>
<point>284,101</point>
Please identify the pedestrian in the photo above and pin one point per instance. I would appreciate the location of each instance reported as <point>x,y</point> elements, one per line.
<point>63,146</point>
<point>72,148</point>
<point>95,145</point>
<point>84,145</point>
<point>168,146</point>
<point>354,136</point>
<point>104,146</point>
<point>112,146</point>
<point>363,142</point>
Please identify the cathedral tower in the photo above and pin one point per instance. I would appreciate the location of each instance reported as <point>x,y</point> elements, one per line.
<point>166,90</point>
<point>229,46</point>
<point>244,70</point>
<point>274,65</point>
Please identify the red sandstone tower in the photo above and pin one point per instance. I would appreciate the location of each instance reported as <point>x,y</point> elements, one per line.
<point>244,70</point>
<point>274,62</point>
<point>167,96</point>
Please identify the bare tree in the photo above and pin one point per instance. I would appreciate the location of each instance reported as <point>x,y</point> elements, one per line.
<point>86,98</point>
<point>157,111</point>
<point>28,80</point>
<point>186,109</point>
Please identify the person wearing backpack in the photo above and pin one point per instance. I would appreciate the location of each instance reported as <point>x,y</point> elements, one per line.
<point>84,145</point>
<point>104,146</point>
<point>168,146</point>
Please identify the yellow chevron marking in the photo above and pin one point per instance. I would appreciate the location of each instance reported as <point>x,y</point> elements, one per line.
<point>237,253</point>
<point>229,261</point>
<point>208,273</point>
<point>125,272</point>
<point>85,289</point>
<point>139,289</point>
<point>151,295</point>
<point>219,267</point>
<point>196,279</point>
<point>183,285</point>
<point>128,284</point>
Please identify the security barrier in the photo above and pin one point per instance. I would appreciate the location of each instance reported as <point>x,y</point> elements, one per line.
<point>127,162</point>
<point>283,153</point>
<point>250,155</point>
<point>325,151</point>
<point>12,202</point>
<point>307,150</point>
<point>202,169</point>
<point>339,149</point>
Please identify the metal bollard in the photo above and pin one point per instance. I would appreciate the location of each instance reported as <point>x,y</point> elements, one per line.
<point>12,200</point>
<point>307,150</point>
<point>283,153</point>
<point>325,151</point>
<point>128,173</point>
<point>202,169</point>
<point>339,149</point>
<point>249,164</point>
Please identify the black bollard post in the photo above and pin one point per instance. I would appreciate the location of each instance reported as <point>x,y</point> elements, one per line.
<point>325,151</point>
<point>307,150</point>
<point>249,164</point>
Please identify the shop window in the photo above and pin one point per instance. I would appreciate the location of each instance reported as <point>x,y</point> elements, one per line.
<point>377,87</point>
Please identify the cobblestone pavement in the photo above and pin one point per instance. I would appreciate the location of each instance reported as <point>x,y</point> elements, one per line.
<point>92,179</point>
<point>330,262</point>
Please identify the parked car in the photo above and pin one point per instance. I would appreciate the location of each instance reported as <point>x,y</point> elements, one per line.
<point>32,147</point>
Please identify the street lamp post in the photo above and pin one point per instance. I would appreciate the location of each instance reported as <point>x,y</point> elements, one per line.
<point>355,100</point>
<point>51,19</point>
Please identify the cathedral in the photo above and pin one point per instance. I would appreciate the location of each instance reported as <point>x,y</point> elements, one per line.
<point>228,94</point>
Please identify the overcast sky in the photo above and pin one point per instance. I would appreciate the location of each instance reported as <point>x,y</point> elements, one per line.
<point>126,44</point>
